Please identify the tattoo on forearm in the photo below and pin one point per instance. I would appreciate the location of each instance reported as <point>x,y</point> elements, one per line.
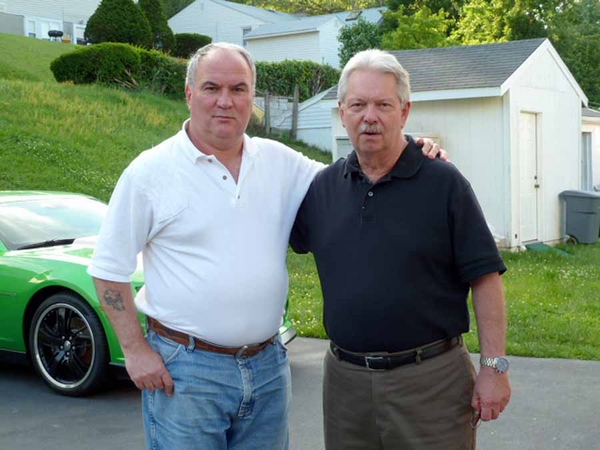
<point>113,298</point>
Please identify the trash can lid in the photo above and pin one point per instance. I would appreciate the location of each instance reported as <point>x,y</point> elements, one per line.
<point>580,193</point>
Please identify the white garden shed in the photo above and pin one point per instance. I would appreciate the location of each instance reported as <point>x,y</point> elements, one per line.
<point>509,115</point>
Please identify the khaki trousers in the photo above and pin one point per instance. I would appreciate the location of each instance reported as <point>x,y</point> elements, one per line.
<point>424,406</point>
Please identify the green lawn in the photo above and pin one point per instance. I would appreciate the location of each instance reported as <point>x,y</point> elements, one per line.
<point>80,138</point>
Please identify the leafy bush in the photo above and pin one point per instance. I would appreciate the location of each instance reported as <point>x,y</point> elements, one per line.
<point>109,63</point>
<point>186,44</point>
<point>122,65</point>
<point>279,78</point>
<point>119,21</point>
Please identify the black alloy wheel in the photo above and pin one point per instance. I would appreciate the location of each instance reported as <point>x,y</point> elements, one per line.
<point>68,346</point>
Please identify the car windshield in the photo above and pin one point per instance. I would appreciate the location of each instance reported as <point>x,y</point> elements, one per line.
<point>49,219</point>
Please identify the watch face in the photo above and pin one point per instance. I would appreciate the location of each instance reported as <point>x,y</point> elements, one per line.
<point>502,365</point>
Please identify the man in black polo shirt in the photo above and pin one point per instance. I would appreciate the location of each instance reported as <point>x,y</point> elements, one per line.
<point>399,240</point>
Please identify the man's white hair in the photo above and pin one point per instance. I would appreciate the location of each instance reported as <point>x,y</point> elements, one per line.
<point>380,61</point>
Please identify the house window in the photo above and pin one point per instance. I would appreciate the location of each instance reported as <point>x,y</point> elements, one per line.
<point>245,31</point>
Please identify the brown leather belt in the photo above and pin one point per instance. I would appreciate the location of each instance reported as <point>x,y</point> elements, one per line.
<point>199,344</point>
<point>382,361</point>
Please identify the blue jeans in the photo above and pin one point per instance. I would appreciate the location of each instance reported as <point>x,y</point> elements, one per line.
<point>220,402</point>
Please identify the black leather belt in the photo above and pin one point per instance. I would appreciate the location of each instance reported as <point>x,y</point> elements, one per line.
<point>379,361</point>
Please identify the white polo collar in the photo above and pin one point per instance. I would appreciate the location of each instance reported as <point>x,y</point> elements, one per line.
<point>194,154</point>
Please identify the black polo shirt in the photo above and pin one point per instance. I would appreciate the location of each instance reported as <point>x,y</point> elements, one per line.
<point>395,259</point>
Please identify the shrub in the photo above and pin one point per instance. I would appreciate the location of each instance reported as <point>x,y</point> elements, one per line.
<point>122,65</point>
<point>279,78</point>
<point>108,63</point>
<point>186,44</point>
<point>119,21</point>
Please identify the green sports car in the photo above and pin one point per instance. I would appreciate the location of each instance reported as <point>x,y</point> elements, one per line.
<point>49,311</point>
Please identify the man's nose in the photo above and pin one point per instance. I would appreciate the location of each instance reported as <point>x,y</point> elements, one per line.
<point>224,99</point>
<point>370,115</point>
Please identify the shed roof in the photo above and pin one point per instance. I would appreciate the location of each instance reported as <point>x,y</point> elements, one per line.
<point>464,67</point>
<point>588,112</point>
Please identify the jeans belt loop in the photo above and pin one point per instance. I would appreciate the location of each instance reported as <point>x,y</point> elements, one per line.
<point>192,345</point>
<point>418,356</point>
<point>241,351</point>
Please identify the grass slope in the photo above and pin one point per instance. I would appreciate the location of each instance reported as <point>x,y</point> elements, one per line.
<point>80,138</point>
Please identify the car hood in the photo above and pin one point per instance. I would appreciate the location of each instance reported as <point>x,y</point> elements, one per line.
<point>79,252</point>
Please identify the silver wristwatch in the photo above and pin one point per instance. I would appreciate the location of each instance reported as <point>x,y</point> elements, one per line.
<point>499,363</point>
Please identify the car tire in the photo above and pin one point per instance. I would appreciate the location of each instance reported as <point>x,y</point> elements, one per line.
<point>68,346</point>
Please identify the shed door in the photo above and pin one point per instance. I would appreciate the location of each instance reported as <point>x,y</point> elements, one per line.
<point>586,161</point>
<point>529,186</point>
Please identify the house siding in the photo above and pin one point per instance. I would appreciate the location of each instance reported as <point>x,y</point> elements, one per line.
<point>221,23</point>
<point>329,44</point>
<point>302,46</point>
<point>314,124</point>
<point>57,10</point>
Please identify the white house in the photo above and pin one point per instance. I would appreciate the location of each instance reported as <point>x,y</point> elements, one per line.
<point>590,149</point>
<point>224,21</point>
<point>270,35</point>
<point>308,39</point>
<point>34,18</point>
<point>509,115</point>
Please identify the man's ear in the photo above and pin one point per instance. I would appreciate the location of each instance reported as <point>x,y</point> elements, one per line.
<point>405,113</point>
<point>342,113</point>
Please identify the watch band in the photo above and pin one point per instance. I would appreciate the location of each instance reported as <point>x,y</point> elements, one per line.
<point>499,363</point>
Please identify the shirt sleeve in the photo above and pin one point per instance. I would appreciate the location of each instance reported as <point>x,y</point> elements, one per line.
<point>124,231</point>
<point>475,251</point>
<point>299,237</point>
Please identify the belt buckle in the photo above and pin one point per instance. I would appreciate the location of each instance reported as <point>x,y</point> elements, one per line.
<point>372,358</point>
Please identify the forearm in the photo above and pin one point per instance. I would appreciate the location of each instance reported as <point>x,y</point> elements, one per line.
<point>490,313</point>
<point>118,304</point>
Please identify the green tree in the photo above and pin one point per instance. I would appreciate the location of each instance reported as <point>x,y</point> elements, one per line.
<point>172,7</point>
<point>161,32</point>
<point>355,38</point>
<point>423,29</point>
<point>119,21</point>
<point>313,7</point>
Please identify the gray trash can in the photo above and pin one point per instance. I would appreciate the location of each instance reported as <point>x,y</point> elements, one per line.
<point>583,215</point>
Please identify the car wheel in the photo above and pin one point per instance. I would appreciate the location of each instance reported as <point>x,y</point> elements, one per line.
<point>68,347</point>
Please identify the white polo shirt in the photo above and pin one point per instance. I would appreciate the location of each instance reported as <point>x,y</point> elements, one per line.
<point>214,251</point>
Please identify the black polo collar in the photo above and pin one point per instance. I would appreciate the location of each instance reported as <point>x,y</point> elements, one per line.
<point>407,165</point>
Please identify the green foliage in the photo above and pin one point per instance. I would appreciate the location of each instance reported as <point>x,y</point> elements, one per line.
<point>354,38</point>
<point>161,32</point>
<point>186,44</point>
<point>451,7</point>
<point>279,78</point>
<point>119,21</point>
<point>576,35</point>
<point>423,29</point>
<point>109,63</point>
<point>313,7</point>
<point>573,26</point>
<point>122,65</point>
<point>172,7</point>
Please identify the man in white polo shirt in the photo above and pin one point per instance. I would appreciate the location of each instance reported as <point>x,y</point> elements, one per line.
<point>211,211</point>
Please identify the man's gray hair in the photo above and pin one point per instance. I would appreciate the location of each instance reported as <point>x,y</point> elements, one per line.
<point>380,61</point>
<point>203,51</point>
